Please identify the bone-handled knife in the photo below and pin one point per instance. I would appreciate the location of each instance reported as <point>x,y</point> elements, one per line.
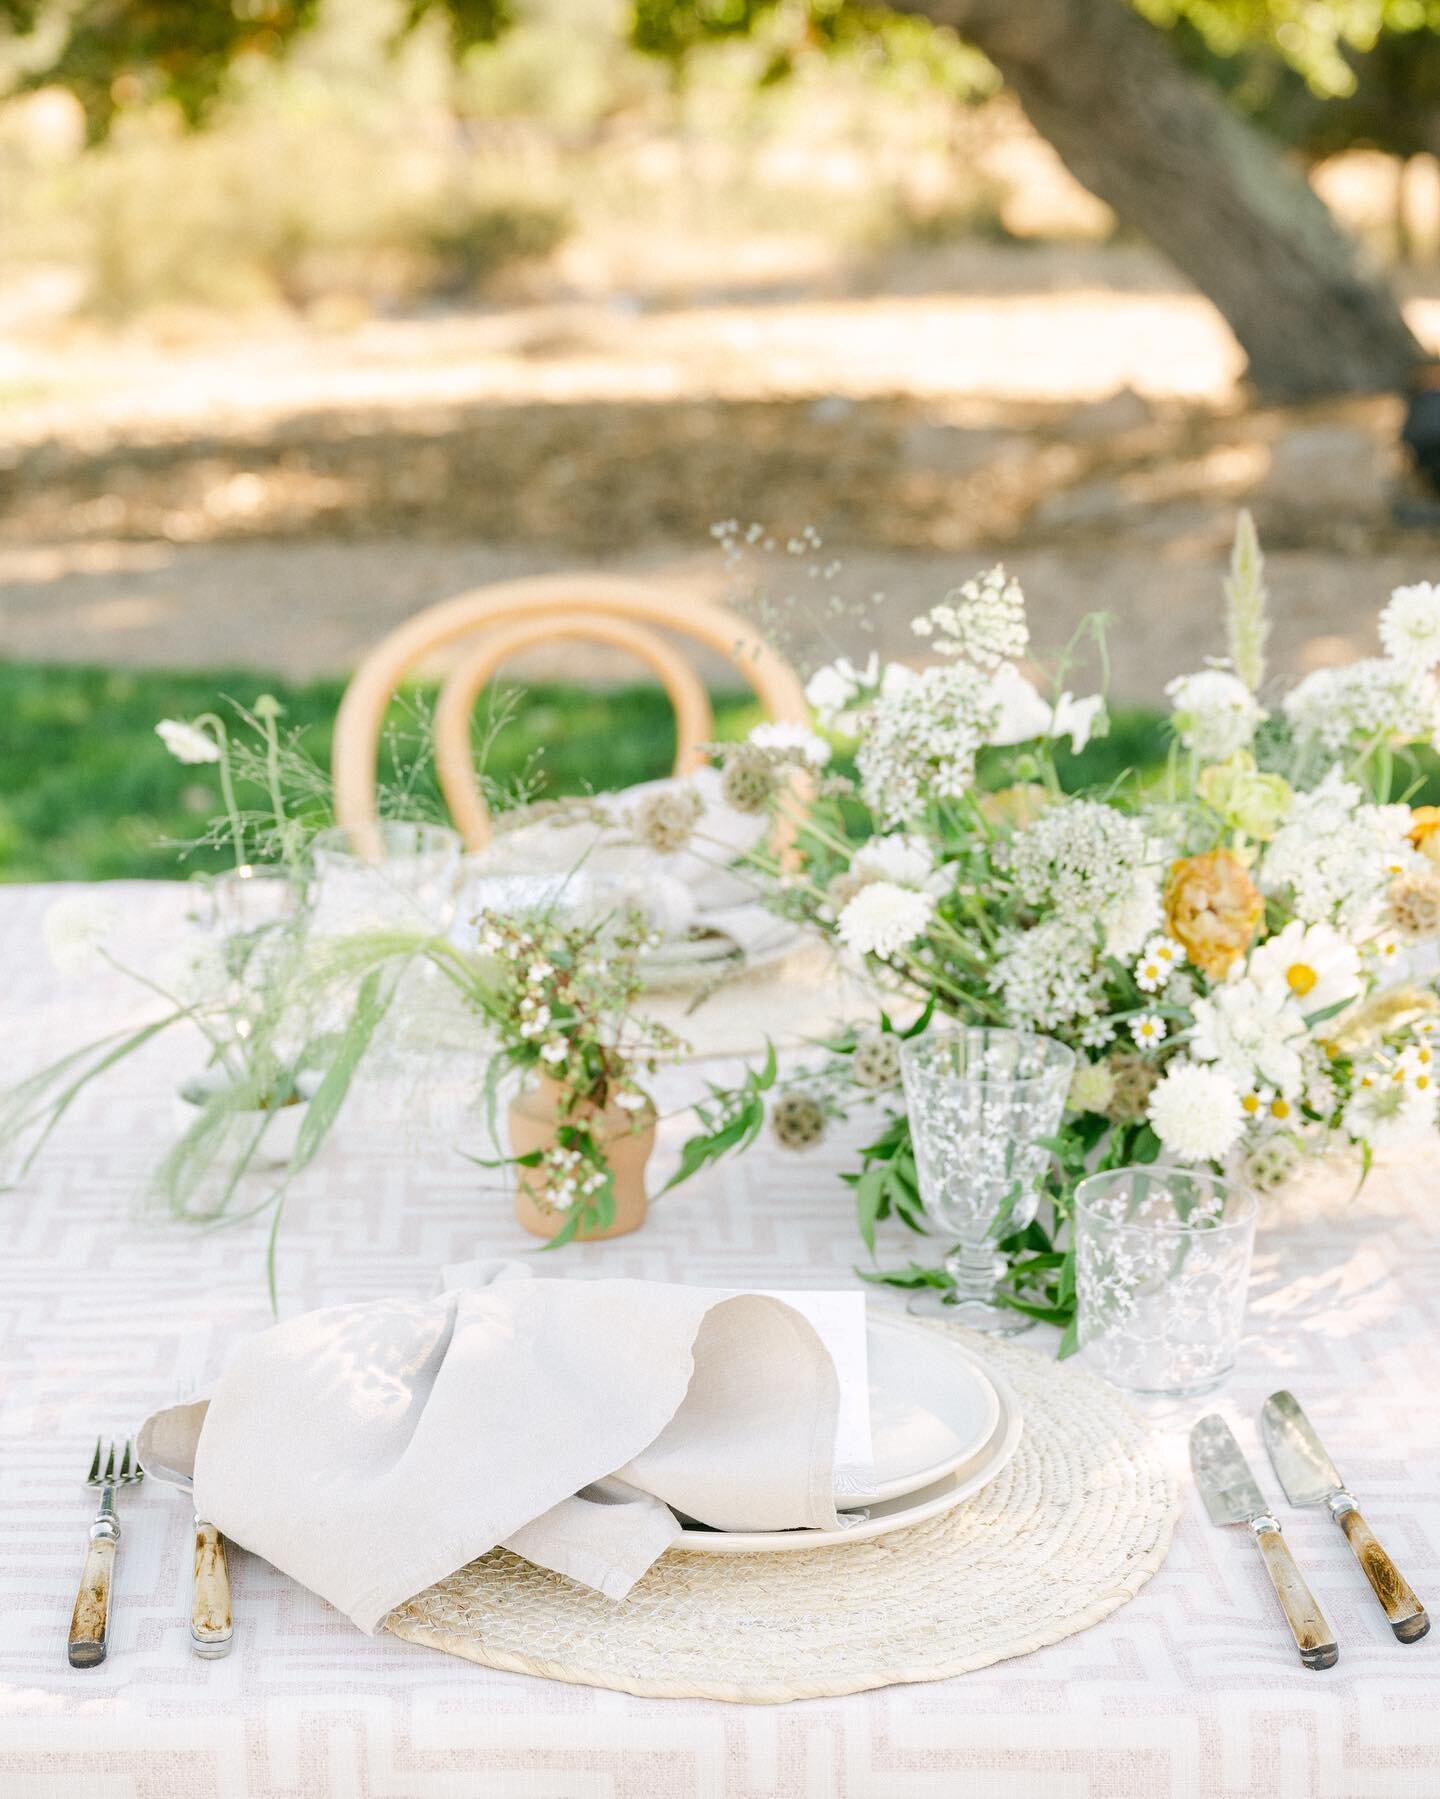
<point>1309,1477</point>
<point>1232,1497</point>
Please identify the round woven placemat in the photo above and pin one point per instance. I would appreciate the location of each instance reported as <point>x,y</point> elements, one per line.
<point>1075,1524</point>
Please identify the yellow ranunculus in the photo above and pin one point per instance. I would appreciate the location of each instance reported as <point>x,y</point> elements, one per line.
<point>1213,909</point>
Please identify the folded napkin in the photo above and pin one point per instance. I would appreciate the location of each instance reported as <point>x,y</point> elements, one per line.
<point>692,889</point>
<point>370,1450</point>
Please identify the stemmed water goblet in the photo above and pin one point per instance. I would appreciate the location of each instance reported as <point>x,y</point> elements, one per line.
<point>982,1102</point>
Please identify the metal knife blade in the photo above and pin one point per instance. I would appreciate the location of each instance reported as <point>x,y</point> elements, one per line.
<point>1307,1474</point>
<point>1229,1489</point>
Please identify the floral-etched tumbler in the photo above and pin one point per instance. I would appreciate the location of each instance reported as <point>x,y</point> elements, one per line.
<point>981,1103</point>
<point>1162,1264</point>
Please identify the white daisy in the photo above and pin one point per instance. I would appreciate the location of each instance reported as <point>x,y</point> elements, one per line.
<point>187,743</point>
<point>1195,1113</point>
<point>883,917</point>
<point>1312,963</point>
<point>1148,1031</point>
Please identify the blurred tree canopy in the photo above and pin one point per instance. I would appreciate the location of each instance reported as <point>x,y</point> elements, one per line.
<point>1167,109</point>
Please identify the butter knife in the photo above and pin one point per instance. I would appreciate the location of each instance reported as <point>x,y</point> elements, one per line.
<point>1232,1497</point>
<point>1309,1477</point>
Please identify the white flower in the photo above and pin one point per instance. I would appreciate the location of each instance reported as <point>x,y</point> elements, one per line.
<point>919,742</point>
<point>1215,713</point>
<point>75,927</point>
<point>982,621</point>
<point>1313,963</point>
<point>882,918</point>
<point>907,861</point>
<point>1022,714</point>
<point>1158,962</point>
<point>1255,1034</point>
<point>1386,1110</point>
<point>1148,1030</point>
<point>832,691</point>
<point>1132,917</point>
<point>1095,864</point>
<point>794,741</point>
<point>1196,1113</point>
<point>554,1052</point>
<point>1367,700</point>
<point>1079,720</point>
<point>630,1101</point>
<point>1335,855</point>
<point>1049,977</point>
<point>1410,625</point>
<point>187,743</point>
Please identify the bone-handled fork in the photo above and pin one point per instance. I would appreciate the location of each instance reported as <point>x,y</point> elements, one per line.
<point>90,1622</point>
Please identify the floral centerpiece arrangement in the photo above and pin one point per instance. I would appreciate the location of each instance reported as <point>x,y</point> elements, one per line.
<point>1240,949</point>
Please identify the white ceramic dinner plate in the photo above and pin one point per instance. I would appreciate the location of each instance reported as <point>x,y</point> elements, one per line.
<point>936,1494</point>
<point>932,1407</point>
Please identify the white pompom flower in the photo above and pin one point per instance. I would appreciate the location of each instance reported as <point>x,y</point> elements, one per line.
<point>1196,1113</point>
<point>884,918</point>
<point>907,861</point>
<point>1410,625</point>
<point>187,743</point>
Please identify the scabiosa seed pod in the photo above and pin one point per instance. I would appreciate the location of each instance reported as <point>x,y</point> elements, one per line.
<point>797,1121</point>
<point>875,1062</point>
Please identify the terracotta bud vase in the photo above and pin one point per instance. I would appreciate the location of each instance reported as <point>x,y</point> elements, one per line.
<point>626,1138</point>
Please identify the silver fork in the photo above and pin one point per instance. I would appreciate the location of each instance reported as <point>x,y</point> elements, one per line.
<point>90,1622</point>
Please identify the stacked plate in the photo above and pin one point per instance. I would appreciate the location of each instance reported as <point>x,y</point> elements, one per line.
<point>942,1428</point>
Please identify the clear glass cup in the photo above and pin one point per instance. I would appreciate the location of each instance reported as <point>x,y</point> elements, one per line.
<point>1162,1265</point>
<point>392,875</point>
<point>980,1101</point>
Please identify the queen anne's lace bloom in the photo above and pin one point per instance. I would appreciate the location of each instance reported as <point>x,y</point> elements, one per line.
<point>1335,855</point>
<point>1215,713</point>
<point>75,928</point>
<point>1377,698</point>
<point>1410,625</point>
<point>883,918</point>
<point>983,621</point>
<point>1095,864</point>
<point>920,742</point>
<point>1048,976</point>
<point>1196,1113</point>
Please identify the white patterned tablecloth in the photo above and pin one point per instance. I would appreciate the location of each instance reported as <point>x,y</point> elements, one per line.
<point>1190,1692</point>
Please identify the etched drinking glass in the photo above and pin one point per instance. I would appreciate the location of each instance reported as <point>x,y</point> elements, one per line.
<point>981,1102</point>
<point>394,876</point>
<point>1162,1263</point>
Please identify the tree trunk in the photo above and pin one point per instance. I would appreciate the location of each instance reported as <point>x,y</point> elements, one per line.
<point>1208,190</point>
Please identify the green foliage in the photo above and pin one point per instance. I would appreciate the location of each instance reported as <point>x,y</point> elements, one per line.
<point>731,1119</point>
<point>88,792</point>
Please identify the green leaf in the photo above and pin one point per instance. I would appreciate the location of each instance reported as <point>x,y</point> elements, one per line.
<point>870,1203</point>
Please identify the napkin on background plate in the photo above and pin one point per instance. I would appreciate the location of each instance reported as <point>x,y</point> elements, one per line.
<point>369,1450</point>
<point>682,892</point>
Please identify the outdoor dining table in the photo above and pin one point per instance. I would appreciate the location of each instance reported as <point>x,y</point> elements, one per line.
<point>109,1308</point>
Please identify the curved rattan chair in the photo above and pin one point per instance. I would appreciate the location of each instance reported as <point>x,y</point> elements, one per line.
<point>514,615</point>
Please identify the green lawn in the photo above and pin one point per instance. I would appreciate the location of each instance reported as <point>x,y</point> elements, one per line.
<point>88,792</point>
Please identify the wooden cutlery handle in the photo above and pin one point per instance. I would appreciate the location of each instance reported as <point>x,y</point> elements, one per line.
<point>212,1629</point>
<point>1408,1618</point>
<point>1308,1624</point>
<point>90,1621</point>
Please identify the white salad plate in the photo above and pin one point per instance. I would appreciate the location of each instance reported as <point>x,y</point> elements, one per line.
<point>929,1377</point>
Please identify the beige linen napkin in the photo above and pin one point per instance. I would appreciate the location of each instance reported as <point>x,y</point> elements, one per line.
<point>369,1450</point>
